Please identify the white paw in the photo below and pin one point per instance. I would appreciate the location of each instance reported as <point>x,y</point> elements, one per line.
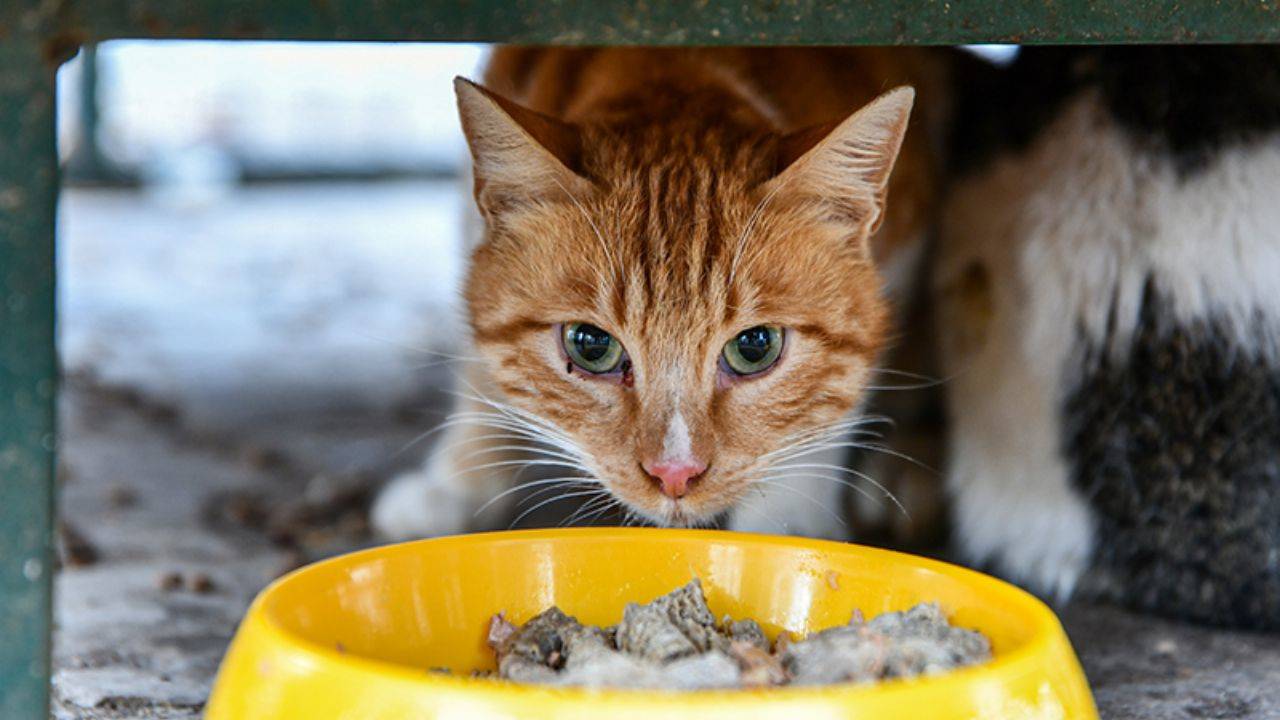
<point>414,506</point>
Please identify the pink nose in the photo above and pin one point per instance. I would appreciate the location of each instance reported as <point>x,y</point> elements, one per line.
<point>674,476</point>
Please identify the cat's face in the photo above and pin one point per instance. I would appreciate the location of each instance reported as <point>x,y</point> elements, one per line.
<point>677,310</point>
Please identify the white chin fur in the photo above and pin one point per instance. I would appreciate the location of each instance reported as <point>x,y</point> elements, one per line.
<point>1067,231</point>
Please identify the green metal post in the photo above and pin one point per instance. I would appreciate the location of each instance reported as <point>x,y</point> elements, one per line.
<point>28,197</point>
<point>86,162</point>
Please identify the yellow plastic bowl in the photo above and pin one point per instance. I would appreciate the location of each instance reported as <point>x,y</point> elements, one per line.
<point>355,636</point>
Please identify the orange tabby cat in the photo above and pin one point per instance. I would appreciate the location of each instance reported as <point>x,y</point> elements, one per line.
<point>679,293</point>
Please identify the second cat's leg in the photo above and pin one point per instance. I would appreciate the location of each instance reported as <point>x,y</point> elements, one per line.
<point>804,501</point>
<point>470,465</point>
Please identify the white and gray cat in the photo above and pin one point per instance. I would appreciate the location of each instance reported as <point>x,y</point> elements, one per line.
<point>1108,293</point>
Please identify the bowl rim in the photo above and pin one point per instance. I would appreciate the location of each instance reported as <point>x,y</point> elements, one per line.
<point>1018,661</point>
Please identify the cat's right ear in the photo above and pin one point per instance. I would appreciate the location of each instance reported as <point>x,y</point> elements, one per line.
<point>519,155</point>
<point>846,165</point>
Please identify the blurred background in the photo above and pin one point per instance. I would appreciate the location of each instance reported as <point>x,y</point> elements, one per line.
<point>260,216</point>
<point>258,266</point>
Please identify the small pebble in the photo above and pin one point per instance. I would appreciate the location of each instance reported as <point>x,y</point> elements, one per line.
<point>163,413</point>
<point>169,581</point>
<point>75,550</point>
<point>262,458</point>
<point>200,583</point>
<point>282,537</point>
<point>122,496</point>
<point>245,510</point>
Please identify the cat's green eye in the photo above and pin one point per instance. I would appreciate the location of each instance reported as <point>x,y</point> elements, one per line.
<point>754,350</point>
<point>591,348</point>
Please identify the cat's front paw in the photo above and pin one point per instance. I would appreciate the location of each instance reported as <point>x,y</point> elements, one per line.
<point>413,506</point>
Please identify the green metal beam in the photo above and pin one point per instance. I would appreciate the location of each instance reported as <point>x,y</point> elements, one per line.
<point>28,195</point>
<point>680,22</point>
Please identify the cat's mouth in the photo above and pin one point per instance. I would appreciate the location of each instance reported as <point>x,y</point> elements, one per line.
<point>681,513</point>
<point>679,517</point>
<point>704,506</point>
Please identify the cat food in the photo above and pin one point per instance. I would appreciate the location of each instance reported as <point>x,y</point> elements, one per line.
<point>675,643</point>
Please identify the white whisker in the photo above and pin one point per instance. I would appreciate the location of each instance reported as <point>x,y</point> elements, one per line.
<point>751,507</point>
<point>602,501</point>
<point>884,450</point>
<point>568,484</point>
<point>531,449</point>
<point>568,480</point>
<point>773,481</point>
<point>548,501</point>
<point>850,471</point>
<point>535,462</point>
<point>415,349</point>
<point>493,420</point>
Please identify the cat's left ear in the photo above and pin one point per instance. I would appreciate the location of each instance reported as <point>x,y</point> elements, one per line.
<point>519,155</point>
<point>846,166</point>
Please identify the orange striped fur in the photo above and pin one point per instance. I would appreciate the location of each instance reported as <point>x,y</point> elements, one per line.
<point>675,197</point>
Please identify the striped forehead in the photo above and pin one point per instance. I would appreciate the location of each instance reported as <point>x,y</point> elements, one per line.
<point>675,228</point>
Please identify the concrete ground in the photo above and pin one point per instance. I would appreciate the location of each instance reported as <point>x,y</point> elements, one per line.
<point>242,372</point>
